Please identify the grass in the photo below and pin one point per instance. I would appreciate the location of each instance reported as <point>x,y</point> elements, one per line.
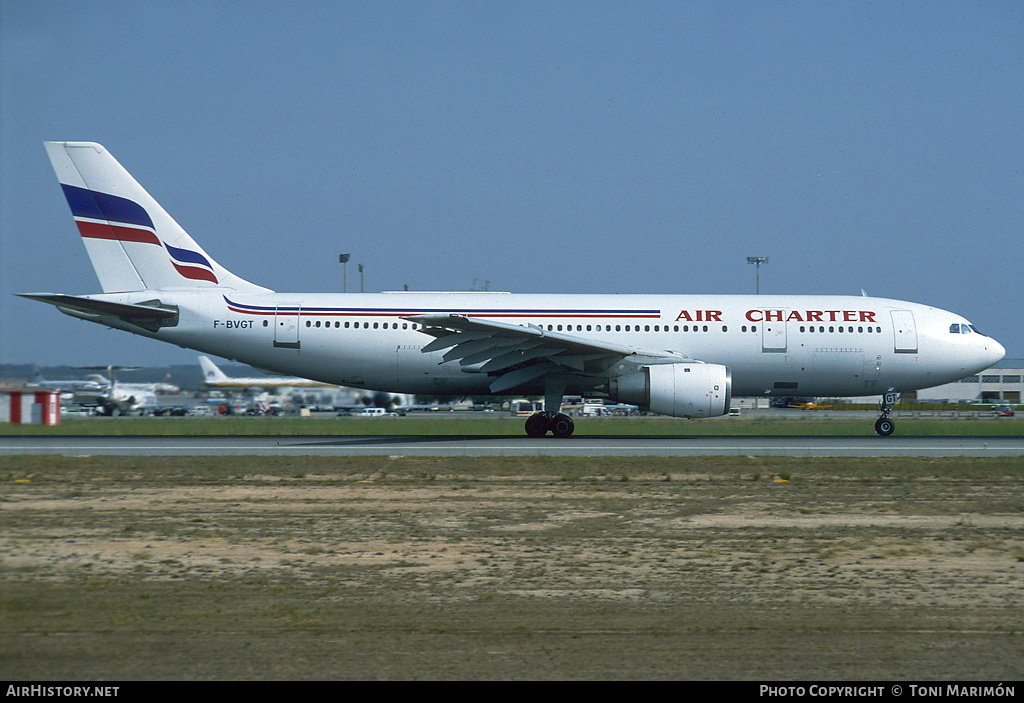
<point>33,471</point>
<point>132,568</point>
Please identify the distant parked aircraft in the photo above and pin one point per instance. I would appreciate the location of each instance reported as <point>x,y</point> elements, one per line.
<point>215,378</point>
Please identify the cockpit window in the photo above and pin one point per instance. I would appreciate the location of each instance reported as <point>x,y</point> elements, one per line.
<point>965,329</point>
<point>954,328</point>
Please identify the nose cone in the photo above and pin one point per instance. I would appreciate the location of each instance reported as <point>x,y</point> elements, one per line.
<point>981,352</point>
<point>996,351</point>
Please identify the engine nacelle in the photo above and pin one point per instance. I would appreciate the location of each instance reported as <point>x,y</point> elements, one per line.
<point>679,390</point>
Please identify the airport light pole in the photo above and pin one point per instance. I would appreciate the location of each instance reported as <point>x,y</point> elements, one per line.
<point>343,260</point>
<point>757,261</point>
<point>362,282</point>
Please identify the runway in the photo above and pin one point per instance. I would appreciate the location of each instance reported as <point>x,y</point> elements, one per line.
<point>496,445</point>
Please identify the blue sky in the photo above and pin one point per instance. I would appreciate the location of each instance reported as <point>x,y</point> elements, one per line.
<point>609,147</point>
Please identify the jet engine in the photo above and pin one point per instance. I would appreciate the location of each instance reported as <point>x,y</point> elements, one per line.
<point>380,399</point>
<point>679,390</point>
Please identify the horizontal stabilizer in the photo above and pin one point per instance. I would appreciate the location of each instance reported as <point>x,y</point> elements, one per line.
<point>150,315</point>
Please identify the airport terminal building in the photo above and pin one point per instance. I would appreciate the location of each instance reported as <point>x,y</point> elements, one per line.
<point>1001,384</point>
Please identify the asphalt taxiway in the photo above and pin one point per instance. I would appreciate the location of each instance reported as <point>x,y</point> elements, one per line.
<point>509,445</point>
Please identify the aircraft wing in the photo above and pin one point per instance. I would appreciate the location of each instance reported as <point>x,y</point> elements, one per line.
<point>517,354</point>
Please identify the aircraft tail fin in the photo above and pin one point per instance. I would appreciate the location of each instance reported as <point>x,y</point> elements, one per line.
<point>132,242</point>
<point>211,373</point>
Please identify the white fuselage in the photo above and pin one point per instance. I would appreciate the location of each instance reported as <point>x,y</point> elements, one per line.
<point>773,345</point>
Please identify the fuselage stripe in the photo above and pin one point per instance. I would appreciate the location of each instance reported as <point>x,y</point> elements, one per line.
<point>405,312</point>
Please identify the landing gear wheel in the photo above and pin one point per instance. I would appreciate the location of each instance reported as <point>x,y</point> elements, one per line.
<point>561,425</point>
<point>536,425</point>
<point>884,426</point>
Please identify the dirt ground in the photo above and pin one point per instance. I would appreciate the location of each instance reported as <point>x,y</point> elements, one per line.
<point>417,568</point>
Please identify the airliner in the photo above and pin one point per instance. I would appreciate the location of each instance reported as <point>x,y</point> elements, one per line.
<point>113,397</point>
<point>677,355</point>
<point>215,378</point>
<point>105,393</point>
<point>92,383</point>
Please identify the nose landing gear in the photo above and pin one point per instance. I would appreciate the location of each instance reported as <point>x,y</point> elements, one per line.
<point>884,425</point>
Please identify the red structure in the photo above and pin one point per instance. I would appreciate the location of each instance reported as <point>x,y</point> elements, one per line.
<point>29,406</point>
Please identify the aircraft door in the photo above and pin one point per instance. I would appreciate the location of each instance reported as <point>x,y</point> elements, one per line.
<point>773,336</point>
<point>413,368</point>
<point>904,331</point>
<point>286,325</point>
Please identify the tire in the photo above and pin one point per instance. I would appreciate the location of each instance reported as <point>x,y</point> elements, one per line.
<point>884,426</point>
<point>536,426</point>
<point>562,425</point>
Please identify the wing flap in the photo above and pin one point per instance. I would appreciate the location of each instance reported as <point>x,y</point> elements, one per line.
<point>514,358</point>
<point>521,376</point>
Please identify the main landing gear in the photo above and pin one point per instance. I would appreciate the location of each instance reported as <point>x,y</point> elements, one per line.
<point>560,424</point>
<point>884,425</point>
